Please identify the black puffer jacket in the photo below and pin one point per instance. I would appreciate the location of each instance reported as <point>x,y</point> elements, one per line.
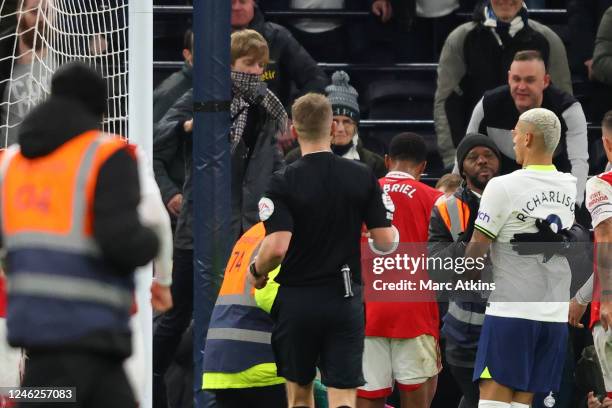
<point>289,61</point>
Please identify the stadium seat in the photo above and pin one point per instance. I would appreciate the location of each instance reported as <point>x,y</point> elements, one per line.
<point>402,99</point>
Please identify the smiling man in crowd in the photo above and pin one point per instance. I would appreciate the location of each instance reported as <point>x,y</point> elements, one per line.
<point>529,87</point>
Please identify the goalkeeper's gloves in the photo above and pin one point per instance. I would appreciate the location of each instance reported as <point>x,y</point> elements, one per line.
<point>548,242</point>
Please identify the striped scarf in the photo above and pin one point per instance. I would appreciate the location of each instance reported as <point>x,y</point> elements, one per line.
<point>249,90</point>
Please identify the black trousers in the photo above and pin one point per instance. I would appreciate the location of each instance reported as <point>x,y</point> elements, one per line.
<point>469,388</point>
<point>273,396</point>
<point>173,323</point>
<point>99,380</point>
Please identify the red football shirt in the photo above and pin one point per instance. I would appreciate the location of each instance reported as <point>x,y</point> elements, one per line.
<point>599,203</point>
<point>413,202</point>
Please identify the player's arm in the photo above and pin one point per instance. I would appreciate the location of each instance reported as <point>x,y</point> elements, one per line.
<point>603,237</point>
<point>478,245</point>
<point>494,210</point>
<point>477,248</point>
<point>384,239</point>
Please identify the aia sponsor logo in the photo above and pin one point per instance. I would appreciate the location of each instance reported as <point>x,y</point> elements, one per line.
<point>483,216</point>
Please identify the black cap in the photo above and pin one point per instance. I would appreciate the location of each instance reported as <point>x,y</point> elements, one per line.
<point>470,141</point>
<point>79,82</point>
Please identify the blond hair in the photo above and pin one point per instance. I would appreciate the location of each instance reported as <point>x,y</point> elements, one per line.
<point>545,125</point>
<point>312,116</point>
<point>249,43</point>
<point>449,183</point>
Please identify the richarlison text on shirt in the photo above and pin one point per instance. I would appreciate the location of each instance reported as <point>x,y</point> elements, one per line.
<point>542,198</point>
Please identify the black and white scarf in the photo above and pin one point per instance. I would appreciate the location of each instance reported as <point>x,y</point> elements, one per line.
<point>249,90</point>
<point>502,31</point>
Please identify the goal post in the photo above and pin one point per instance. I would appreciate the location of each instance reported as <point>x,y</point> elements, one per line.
<point>140,132</point>
<point>140,58</point>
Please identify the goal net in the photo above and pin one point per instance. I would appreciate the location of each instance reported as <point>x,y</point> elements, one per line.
<point>37,36</point>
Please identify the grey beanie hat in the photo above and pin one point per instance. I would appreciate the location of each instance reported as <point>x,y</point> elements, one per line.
<point>342,96</point>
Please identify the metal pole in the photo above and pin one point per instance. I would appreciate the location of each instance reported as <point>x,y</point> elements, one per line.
<point>211,169</point>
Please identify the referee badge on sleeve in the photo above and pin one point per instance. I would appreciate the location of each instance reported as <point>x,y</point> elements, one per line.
<point>266,208</point>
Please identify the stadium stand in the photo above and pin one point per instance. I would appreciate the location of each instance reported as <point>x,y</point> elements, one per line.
<point>399,101</point>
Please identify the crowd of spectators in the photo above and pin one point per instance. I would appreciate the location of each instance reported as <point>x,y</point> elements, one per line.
<point>495,60</point>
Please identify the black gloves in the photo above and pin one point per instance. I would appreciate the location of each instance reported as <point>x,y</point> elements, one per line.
<point>546,241</point>
<point>466,235</point>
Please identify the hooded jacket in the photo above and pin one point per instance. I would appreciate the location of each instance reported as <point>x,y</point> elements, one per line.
<point>125,243</point>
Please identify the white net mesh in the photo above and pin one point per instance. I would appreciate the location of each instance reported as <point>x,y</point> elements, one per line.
<point>37,36</point>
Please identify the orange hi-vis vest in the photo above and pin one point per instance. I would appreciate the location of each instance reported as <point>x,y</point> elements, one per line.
<point>60,288</point>
<point>455,214</point>
<point>239,335</point>
<point>464,319</point>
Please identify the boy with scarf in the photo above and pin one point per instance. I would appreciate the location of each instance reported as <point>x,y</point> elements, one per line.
<point>257,118</point>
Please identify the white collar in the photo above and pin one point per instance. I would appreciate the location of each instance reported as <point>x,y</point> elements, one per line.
<point>400,175</point>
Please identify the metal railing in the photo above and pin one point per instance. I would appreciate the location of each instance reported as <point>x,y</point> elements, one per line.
<point>389,124</point>
<point>331,67</point>
<point>538,14</point>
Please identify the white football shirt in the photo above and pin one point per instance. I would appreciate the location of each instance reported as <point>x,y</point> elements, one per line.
<point>526,286</point>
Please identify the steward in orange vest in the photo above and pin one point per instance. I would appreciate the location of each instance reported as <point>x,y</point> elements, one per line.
<point>70,227</point>
<point>238,359</point>
<point>450,229</point>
